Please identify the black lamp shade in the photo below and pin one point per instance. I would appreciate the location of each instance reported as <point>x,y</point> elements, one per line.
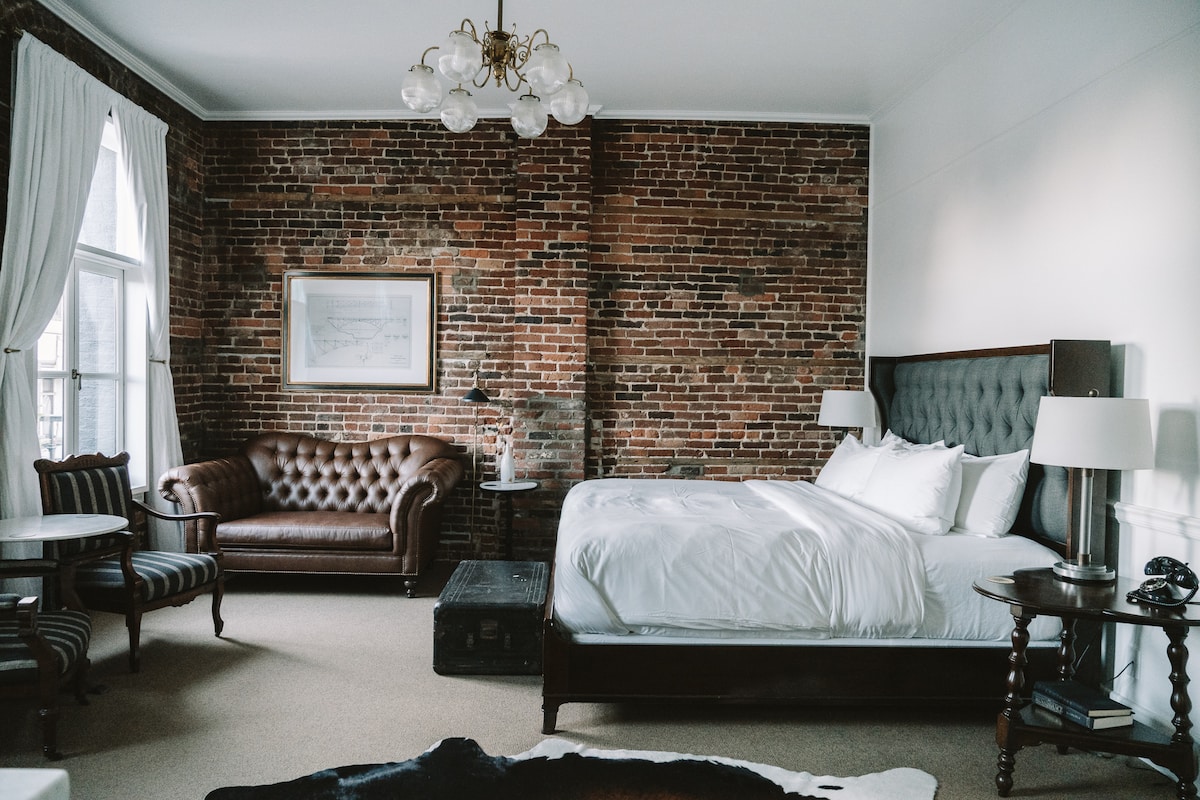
<point>476,395</point>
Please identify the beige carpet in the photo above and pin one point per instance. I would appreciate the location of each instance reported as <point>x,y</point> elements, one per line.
<point>321,672</point>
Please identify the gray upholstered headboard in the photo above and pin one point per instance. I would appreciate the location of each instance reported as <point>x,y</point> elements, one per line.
<point>987,401</point>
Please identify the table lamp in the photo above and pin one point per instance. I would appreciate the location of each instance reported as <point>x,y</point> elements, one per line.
<point>847,408</point>
<point>1091,433</point>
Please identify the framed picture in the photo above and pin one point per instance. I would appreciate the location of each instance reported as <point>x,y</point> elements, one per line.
<point>359,331</point>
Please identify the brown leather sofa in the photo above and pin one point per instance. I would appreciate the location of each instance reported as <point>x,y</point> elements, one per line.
<point>294,503</point>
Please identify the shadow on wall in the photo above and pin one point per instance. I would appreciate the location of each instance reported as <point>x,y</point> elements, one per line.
<point>1177,451</point>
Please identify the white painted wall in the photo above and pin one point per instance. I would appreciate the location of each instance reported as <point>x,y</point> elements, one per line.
<point>1045,183</point>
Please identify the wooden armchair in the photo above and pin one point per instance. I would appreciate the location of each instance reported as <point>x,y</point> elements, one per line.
<point>125,580</point>
<point>41,652</point>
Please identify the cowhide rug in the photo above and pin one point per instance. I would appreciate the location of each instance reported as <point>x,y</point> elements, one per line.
<point>458,769</point>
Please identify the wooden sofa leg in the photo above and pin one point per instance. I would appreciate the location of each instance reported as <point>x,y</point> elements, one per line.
<point>410,587</point>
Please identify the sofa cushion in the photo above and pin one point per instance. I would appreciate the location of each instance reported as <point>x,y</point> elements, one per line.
<point>331,530</point>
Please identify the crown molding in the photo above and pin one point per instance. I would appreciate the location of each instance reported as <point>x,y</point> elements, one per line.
<point>174,92</point>
<point>127,59</point>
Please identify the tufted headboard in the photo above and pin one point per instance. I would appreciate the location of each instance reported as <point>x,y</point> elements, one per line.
<point>987,401</point>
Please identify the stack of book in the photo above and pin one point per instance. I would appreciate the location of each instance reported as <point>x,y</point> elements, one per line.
<point>1081,704</point>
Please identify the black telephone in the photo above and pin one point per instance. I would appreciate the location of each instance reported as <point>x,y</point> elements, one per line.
<point>1165,588</point>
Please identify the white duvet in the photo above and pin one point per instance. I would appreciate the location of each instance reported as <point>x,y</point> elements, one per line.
<point>768,558</point>
<point>713,555</point>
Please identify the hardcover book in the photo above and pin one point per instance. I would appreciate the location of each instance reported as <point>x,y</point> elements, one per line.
<point>1084,699</point>
<point>1078,717</point>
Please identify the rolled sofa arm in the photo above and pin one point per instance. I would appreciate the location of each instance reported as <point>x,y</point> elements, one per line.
<point>416,509</point>
<point>226,486</point>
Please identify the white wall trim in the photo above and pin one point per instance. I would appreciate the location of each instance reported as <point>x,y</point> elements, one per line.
<point>123,55</point>
<point>1153,519</point>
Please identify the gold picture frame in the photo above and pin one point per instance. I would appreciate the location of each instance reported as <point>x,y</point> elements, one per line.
<point>359,331</point>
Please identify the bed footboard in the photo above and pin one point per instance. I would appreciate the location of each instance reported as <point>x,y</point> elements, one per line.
<point>797,674</point>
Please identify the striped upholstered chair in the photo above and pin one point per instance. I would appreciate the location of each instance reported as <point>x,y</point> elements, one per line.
<point>41,652</point>
<point>123,579</point>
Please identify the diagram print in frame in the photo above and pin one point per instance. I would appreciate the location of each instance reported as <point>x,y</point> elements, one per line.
<point>359,331</point>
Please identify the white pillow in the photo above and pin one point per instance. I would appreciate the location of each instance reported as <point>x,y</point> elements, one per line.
<point>848,468</point>
<point>991,492</point>
<point>892,440</point>
<point>918,488</point>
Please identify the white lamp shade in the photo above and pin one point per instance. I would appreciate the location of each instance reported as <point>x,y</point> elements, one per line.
<point>461,58</point>
<point>529,117</point>
<point>420,90</point>
<point>547,70</point>
<point>459,113</point>
<point>843,408</point>
<point>569,104</point>
<point>1093,432</point>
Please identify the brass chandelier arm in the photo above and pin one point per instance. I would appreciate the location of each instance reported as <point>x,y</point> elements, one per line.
<point>428,50</point>
<point>462,28</point>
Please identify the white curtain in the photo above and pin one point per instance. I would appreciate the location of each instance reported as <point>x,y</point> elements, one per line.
<point>58,118</point>
<point>142,159</point>
<point>57,122</point>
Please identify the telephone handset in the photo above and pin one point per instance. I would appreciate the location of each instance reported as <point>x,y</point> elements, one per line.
<point>1171,585</point>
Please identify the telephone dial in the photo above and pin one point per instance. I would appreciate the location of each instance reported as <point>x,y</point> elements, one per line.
<point>1171,584</point>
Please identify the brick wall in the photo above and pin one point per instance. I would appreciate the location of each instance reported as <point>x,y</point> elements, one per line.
<point>728,272</point>
<point>660,299</point>
<point>638,299</point>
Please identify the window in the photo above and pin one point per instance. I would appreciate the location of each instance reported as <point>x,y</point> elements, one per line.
<point>91,357</point>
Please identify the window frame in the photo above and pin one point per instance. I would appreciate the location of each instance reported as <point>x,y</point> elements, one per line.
<point>132,378</point>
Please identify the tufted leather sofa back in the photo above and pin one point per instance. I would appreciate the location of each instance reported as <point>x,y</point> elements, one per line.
<point>302,473</point>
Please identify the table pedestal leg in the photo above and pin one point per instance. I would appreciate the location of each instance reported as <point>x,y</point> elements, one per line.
<point>1181,704</point>
<point>1012,706</point>
<point>504,526</point>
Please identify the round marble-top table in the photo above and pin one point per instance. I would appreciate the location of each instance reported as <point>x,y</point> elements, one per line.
<point>58,527</point>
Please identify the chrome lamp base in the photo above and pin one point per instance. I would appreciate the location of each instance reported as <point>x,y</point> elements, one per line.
<point>1084,573</point>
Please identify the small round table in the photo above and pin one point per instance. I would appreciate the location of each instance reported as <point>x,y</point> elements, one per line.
<point>505,491</point>
<point>57,528</point>
<point>1030,592</point>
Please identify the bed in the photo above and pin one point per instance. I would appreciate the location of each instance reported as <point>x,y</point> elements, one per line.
<point>746,623</point>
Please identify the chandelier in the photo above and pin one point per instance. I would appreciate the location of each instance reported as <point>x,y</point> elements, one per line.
<point>512,62</point>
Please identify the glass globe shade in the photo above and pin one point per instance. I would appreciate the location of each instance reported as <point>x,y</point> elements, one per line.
<point>547,69</point>
<point>459,112</point>
<point>529,118</point>
<point>420,90</point>
<point>570,103</point>
<point>461,58</point>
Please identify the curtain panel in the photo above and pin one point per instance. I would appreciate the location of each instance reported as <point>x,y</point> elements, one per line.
<point>59,113</point>
<point>58,119</point>
<point>142,159</point>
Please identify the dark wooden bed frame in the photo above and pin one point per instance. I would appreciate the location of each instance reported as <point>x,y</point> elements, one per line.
<point>821,674</point>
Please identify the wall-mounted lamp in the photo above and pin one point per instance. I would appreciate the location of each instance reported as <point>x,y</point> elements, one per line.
<point>1091,433</point>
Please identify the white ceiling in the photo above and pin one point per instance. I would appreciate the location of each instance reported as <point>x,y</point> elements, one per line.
<point>792,60</point>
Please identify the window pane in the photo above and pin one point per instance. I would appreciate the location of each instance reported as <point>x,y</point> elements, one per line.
<point>99,323</point>
<point>100,218</point>
<point>98,422</point>
<point>50,417</point>
<point>52,344</point>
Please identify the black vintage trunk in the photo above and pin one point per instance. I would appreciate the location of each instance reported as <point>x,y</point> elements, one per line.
<point>488,619</point>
